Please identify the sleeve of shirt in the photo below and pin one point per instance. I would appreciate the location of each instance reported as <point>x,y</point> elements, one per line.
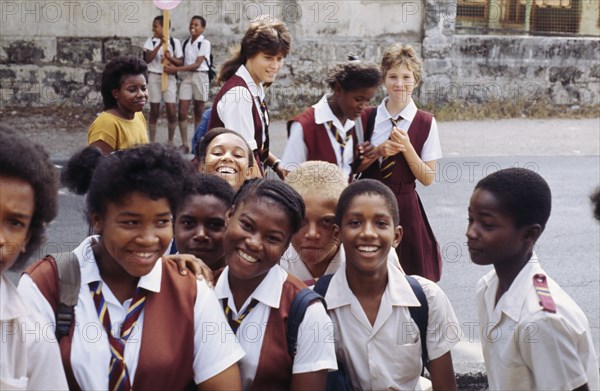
<point>103,130</point>
<point>443,330</point>
<point>148,45</point>
<point>178,50</point>
<point>295,151</point>
<point>316,345</point>
<point>36,300</point>
<point>432,149</point>
<point>204,49</point>
<point>235,110</point>
<point>549,347</point>
<point>215,347</point>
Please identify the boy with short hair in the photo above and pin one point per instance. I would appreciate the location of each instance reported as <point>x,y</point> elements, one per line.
<point>194,77</point>
<point>534,336</point>
<point>154,56</point>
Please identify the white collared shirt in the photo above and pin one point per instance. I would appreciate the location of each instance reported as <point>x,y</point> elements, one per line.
<point>90,352</point>
<point>432,149</point>
<point>387,355</point>
<point>192,53</point>
<point>29,353</point>
<point>156,64</point>
<point>527,348</point>
<point>316,349</point>
<point>296,151</point>
<point>235,108</point>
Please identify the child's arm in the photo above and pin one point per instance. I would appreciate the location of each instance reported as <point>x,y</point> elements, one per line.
<point>309,381</point>
<point>423,171</point>
<point>442,373</point>
<point>150,55</point>
<point>229,379</point>
<point>178,59</point>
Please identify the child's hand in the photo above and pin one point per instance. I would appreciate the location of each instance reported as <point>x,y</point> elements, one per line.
<point>189,262</point>
<point>400,136</point>
<point>168,55</point>
<point>170,69</point>
<point>390,148</point>
<point>367,150</point>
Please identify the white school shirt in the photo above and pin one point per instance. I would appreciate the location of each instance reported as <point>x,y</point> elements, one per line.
<point>526,348</point>
<point>296,151</point>
<point>156,64</point>
<point>316,349</point>
<point>90,352</point>
<point>235,108</point>
<point>387,355</point>
<point>192,53</point>
<point>432,149</point>
<point>29,353</point>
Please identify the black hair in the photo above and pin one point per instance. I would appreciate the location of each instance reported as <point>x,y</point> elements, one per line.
<point>280,192</point>
<point>201,19</point>
<point>207,185</point>
<point>354,75</point>
<point>20,158</point>
<point>202,146</point>
<point>151,169</point>
<point>595,197</point>
<point>160,19</point>
<point>523,194</point>
<point>114,73</point>
<point>367,187</point>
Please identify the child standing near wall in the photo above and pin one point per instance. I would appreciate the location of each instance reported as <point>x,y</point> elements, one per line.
<point>154,56</point>
<point>194,77</point>
<point>407,147</point>
<point>533,335</point>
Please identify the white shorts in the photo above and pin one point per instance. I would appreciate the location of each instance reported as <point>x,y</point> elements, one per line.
<point>193,85</point>
<point>154,89</point>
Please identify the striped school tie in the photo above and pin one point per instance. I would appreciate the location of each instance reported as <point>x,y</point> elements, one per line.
<point>264,152</point>
<point>235,323</point>
<point>338,137</point>
<point>387,163</point>
<point>118,378</point>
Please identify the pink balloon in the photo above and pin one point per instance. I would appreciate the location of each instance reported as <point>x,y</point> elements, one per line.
<point>166,4</point>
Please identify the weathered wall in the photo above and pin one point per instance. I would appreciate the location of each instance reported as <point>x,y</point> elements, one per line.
<point>53,52</point>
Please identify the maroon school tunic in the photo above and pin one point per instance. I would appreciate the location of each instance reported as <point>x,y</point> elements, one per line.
<point>418,251</point>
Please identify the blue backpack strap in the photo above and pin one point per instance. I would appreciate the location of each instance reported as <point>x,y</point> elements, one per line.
<point>303,299</point>
<point>421,317</point>
<point>323,284</point>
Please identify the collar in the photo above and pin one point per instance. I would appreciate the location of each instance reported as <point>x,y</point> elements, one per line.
<point>256,90</point>
<point>397,289</point>
<point>408,113</point>
<point>12,305</point>
<point>199,39</point>
<point>324,114</point>
<point>512,301</point>
<point>267,292</point>
<point>91,273</point>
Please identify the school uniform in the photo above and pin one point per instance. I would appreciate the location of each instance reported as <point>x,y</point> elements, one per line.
<point>240,106</point>
<point>29,355</point>
<point>262,332</point>
<point>119,133</point>
<point>312,136</point>
<point>188,351</point>
<point>194,84</point>
<point>387,354</point>
<point>526,347</point>
<point>418,251</point>
<point>155,70</point>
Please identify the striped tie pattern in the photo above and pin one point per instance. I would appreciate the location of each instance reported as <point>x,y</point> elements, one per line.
<point>342,141</point>
<point>235,323</point>
<point>264,152</point>
<point>387,163</point>
<point>118,378</point>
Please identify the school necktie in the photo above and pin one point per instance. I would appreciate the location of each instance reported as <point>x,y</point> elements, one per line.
<point>118,378</point>
<point>264,152</point>
<point>387,163</point>
<point>235,323</point>
<point>342,141</point>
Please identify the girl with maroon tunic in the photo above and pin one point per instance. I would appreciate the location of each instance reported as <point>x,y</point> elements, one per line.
<point>240,104</point>
<point>407,146</point>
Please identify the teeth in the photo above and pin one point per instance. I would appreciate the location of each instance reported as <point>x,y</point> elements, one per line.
<point>367,249</point>
<point>247,257</point>
<point>225,170</point>
<point>143,255</point>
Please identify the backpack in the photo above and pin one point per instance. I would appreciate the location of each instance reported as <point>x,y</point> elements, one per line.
<point>209,61</point>
<point>69,283</point>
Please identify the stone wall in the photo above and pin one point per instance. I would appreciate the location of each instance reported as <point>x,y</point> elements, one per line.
<point>53,53</point>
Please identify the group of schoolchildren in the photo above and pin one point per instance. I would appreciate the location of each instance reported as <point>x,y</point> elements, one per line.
<point>141,318</point>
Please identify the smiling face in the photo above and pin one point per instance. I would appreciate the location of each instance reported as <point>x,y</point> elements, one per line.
<point>318,240</point>
<point>352,103</point>
<point>199,229</point>
<point>134,234</point>
<point>263,67</point>
<point>400,83</point>
<point>492,235</point>
<point>368,233</point>
<point>228,157</point>
<point>17,202</point>
<point>157,29</point>
<point>257,235</point>
<point>132,95</point>
<point>195,28</point>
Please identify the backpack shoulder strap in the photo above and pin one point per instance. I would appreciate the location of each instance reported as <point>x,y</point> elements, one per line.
<point>69,283</point>
<point>421,317</point>
<point>185,42</point>
<point>323,284</point>
<point>172,41</point>
<point>303,299</point>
